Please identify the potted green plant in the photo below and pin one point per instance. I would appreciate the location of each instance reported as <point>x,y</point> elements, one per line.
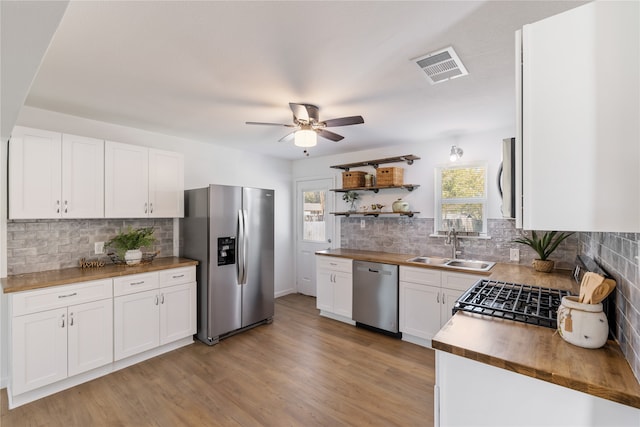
<point>351,197</point>
<point>544,246</point>
<point>127,243</point>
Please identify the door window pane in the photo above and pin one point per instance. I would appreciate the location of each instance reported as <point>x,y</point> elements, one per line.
<point>313,227</point>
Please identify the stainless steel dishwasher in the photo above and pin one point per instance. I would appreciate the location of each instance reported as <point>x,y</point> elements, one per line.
<point>375,296</point>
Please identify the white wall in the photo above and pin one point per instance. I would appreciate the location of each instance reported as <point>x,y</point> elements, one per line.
<point>481,147</point>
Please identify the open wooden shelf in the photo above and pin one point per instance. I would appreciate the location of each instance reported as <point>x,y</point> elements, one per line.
<point>374,214</point>
<point>409,158</point>
<point>409,187</point>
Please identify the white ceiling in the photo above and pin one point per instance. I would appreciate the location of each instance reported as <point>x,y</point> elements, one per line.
<point>199,70</point>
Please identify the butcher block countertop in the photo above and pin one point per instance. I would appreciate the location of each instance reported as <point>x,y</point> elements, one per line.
<point>66,276</point>
<point>529,350</point>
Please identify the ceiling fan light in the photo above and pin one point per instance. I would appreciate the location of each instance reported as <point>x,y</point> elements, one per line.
<point>455,154</point>
<point>306,138</point>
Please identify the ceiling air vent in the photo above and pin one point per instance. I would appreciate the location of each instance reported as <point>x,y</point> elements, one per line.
<point>441,65</point>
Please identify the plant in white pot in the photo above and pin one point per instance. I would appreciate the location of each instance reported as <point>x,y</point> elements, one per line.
<point>544,246</point>
<point>127,244</point>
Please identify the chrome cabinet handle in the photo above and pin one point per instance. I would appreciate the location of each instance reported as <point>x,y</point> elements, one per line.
<point>443,301</point>
<point>65,207</point>
<point>57,206</point>
<point>137,283</point>
<point>161,298</point>
<point>151,207</point>
<point>156,300</point>
<point>68,295</point>
<point>178,276</point>
<point>438,297</point>
<point>70,319</point>
<point>62,321</point>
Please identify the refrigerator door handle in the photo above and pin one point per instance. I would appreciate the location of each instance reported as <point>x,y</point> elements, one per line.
<point>241,253</point>
<point>245,245</point>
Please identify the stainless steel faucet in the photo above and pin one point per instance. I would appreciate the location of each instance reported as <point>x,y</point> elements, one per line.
<point>452,239</point>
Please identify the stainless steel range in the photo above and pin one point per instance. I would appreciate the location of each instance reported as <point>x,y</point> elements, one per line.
<point>522,303</point>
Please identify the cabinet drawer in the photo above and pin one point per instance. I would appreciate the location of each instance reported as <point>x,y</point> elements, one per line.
<point>334,263</point>
<point>177,276</point>
<point>459,281</point>
<point>60,296</point>
<point>135,283</point>
<point>422,276</point>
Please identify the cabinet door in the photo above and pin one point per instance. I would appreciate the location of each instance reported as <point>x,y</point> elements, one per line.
<point>82,177</point>
<point>38,350</point>
<point>343,294</point>
<point>126,181</point>
<point>419,310</point>
<point>448,299</point>
<point>136,323</point>
<point>90,336</point>
<point>580,109</point>
<point>166,184</point>
<point>324,290</point>
<point>177,312</point>
<point>35,174</point>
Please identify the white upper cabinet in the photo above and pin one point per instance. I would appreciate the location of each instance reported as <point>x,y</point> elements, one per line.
<point>126,183</point>
<point>166,184</point>
<point>54,175</point>
<point>82,177</point>
<point>580,112</point>
<point>142,182</point>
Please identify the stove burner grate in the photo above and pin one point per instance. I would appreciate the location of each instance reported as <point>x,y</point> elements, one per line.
<point>522,303</point>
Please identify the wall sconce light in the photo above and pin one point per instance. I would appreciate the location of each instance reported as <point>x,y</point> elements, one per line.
<point>456,153</point>
<point>306,137</point>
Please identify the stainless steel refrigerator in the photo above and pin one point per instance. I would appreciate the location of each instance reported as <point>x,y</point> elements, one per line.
<point>230,231</point>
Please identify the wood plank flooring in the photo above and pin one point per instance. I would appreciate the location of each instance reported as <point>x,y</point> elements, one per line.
<point>301,370</point>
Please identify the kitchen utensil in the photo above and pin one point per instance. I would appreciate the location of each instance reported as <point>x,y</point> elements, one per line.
<point>602,291</point>
<point>590,281</point>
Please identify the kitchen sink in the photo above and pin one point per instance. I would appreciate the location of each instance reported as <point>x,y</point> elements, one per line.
<point>470,264</point>
<point>429,260</point>
<point>463,264</point>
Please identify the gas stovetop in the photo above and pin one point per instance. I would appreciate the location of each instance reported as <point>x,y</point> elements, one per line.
<point>522,303</point>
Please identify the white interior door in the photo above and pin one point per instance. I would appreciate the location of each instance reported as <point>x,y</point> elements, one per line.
<point>314,229</point>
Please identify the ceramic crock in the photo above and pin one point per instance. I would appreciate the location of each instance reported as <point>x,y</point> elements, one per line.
<point>400,206</point>
<point>584,325</point>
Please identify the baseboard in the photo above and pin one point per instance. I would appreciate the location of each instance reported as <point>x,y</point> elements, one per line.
<point>285,292</point>
<point>337,317</point>
<point>416,340</point>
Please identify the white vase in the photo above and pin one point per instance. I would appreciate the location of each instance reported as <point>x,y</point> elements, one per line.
<point>133,256</point>
<point>584,325</point>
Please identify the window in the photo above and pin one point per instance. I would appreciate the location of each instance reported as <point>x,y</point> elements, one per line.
<point>461,198</point>
<point>313,227</point>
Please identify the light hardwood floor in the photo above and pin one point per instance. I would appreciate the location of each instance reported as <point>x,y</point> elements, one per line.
<point>301,370</point>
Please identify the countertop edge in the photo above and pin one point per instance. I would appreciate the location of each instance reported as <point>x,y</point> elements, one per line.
<point>399,259</point>
<point>604,392</point>
<point>39,280</point>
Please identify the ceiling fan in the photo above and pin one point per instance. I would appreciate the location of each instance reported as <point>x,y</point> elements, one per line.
<point>308,125</point>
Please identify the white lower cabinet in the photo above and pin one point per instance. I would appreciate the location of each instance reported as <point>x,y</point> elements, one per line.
<point>63,336</point>
<point>143,320</point>
<point>427,297</point>
<point>334,281</point>
<point>51,345</point>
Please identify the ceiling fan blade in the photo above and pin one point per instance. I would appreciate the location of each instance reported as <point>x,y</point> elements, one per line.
<point>288,137</point>
<point>343,121</point>
<point>307,113</point>
<point>329,135</point>
<point>270,124</point>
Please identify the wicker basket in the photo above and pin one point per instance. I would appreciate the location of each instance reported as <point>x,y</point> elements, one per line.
<point>389,177</point>
<point>353,179</point>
